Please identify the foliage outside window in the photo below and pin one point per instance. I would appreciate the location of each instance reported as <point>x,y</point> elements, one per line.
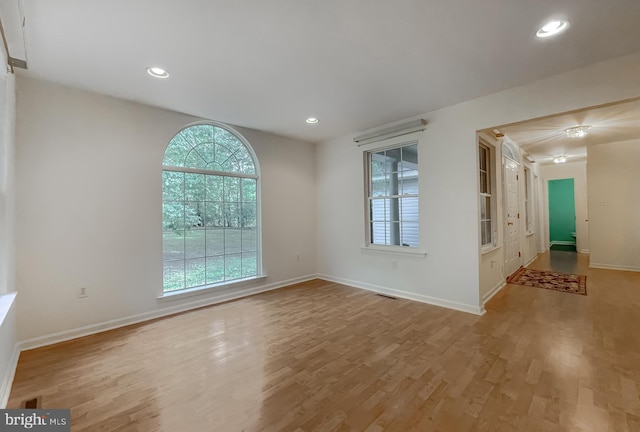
<point>392,196</point>
<point>486,196</point>
<point>209,209</point>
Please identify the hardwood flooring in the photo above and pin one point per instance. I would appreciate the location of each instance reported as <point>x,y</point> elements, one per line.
<point>320,356</point>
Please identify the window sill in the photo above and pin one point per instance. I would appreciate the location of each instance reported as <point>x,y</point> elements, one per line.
<point>6,300</point>
<point>190,292</point>
<point>488,249</point>
<point>394,250</point>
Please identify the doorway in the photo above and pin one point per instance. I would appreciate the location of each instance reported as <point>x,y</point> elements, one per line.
<point>562,215</point>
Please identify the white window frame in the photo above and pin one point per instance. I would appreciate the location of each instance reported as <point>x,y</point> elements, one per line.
<point>388,144</point>
<point>490,193</point>
<point>528,201</point>
<point>195,290</point>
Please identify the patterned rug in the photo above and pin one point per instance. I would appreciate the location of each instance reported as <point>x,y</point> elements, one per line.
<point>569,283</point>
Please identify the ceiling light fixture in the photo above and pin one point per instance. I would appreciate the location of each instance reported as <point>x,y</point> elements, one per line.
<point>157,72</point>
<point>560,159</point>
<point>577,131</point>
<point>552,28</point>
<point>312,120</point>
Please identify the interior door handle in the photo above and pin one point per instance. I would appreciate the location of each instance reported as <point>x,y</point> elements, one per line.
<point>509,223</point>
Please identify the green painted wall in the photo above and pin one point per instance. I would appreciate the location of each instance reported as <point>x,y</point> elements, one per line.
<point>562,210</point>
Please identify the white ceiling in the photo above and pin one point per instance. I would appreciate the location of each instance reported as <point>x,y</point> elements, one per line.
<point>354,64</point>
<point>545,138</point>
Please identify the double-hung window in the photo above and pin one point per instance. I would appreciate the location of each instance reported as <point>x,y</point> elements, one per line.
<point>392,196</point>
<point>486,195</point>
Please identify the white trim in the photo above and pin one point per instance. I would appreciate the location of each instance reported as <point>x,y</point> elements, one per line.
<point>7,380</point>
<point>486,249</point>
<point>381,134</point>
<point>66,335</point>
<point>585,251</point>
<point>394,250</point>
<point>493,291</point>
<point>562,242</point>
<point>614,267</point>
<point>195,291</point>
<point>531,260</point>
<point>435,301</point>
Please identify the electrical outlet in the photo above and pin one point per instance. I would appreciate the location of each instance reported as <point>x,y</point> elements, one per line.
<point>82,292</point>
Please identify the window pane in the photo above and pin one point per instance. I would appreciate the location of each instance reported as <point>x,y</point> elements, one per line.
<point>195,272</point>
<point>172,186</point>
<point>232,240</point>
<point>248,215</point>
<point>249,264</point>
<point>213,214</point>
<point>173,216</point>
<point>484,183</point>
<point>409,209</point>
<point>231,215</point>
<point>194,243</point>
<point>173,245</point>
<point>231,189</point>
<point>173,277</point>
<point>408,185</point>
<point>194,159</point>
<point>249,240</point>
<point>379,233</point>
<point>233,267</point>
<point>215,269</point>
<point>214,188</point>
<point>394,209</point>
<point>248,190</point>
<point>215,242</point>
<point>379,210</point>
<point>409,234</point>
<point>380,186</point>
<point>194,187</point>
<point>487,208</point>
<point>483,158</point>
<point>393,157</point>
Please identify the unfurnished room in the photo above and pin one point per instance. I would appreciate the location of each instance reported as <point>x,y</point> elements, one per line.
<point>231,216</point>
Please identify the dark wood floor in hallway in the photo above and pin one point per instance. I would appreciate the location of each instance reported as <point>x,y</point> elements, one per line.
<point>320,356</point>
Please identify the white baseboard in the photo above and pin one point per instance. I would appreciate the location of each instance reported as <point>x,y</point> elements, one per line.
<point>7,380</point>
<point>531,260</point>
<point>614,267</point>
<point>476,310</point>
<point>585,251</point>
<point>66,335</point>
<point>562,242</point>
<point>493,291</point>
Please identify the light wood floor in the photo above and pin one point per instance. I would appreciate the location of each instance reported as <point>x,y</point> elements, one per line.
<point>324,357</point>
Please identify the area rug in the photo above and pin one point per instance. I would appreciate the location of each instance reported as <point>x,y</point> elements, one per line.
<point>568,283</point>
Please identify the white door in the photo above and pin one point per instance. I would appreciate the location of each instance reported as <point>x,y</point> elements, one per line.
<point>512,259</point>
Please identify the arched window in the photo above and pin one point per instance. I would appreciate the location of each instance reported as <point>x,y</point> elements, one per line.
<point>210,208</point>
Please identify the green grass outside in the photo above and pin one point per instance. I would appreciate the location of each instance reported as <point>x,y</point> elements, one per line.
<point>203,257</point>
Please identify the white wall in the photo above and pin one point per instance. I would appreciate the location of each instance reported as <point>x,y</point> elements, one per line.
<point>8,334</point>
<point>578,172</point>
<point>88,187</point>
<point>448,186</point>
<point>614,205</point>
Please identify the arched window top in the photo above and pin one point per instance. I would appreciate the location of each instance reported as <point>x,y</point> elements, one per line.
<point>510,150</point>
<point>209,147</point>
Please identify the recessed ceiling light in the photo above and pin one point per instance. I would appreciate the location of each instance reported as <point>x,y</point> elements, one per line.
<point>157,72</point>
<point>577,131</point>
<point>552,28</point>
<point>312,120</point>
